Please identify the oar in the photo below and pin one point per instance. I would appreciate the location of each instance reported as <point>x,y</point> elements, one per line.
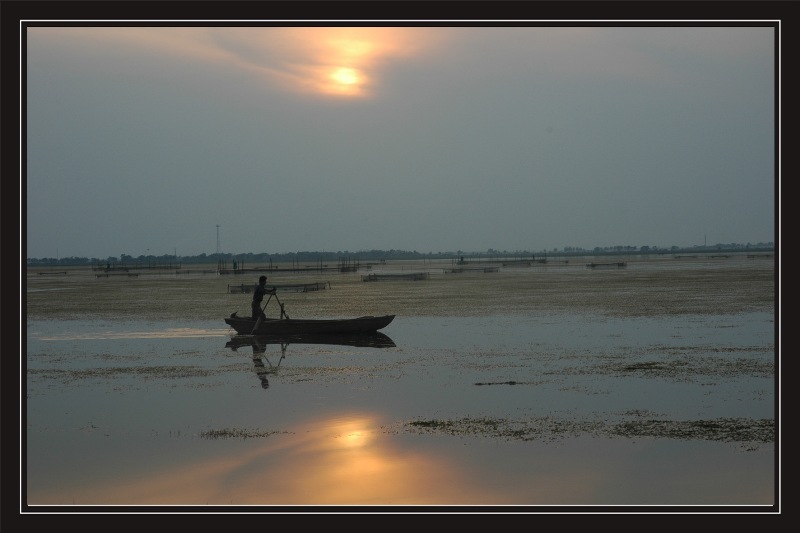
<point>283,313</point>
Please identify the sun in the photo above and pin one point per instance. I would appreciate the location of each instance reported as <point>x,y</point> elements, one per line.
<point>346,76</point>
<point>344,81</point>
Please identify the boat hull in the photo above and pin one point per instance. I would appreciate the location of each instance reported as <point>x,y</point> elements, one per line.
<point>293,326</point>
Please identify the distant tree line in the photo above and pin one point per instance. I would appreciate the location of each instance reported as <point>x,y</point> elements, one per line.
<point>250,258</point>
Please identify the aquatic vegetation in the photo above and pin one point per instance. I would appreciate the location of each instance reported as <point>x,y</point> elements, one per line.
<point>721,429</point>
<point>237,433</point>
<point>739,430</point>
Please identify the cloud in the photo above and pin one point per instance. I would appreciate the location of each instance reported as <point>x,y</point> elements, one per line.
<point>325,61</point>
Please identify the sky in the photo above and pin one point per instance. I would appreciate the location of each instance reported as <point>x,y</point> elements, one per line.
<point>188,140</point>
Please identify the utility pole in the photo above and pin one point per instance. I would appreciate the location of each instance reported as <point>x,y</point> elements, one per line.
<point>219,255</point>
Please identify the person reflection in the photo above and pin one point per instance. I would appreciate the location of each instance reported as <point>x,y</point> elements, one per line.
<point>261,371</point>
<point>259,356</point>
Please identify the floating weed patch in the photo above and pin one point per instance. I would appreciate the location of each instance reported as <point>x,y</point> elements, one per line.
<point>661,369</point>
<point>147,372</point>
<point>704,349</point>
<point>228,433</point>
<point>744,430</point>
<point>511,382</point>
<point>720,429</point>
<point>640,413</point>
<point>432,425</point>
<point>687,368</point>
<point>650,365</point>
<point>544,428</point>
<point>462,426</point>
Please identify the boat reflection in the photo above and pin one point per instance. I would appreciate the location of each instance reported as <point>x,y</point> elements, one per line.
<point>259,345</point>
<point>373,339</point>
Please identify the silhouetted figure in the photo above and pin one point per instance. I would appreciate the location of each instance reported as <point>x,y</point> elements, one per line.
<point>258,297</point>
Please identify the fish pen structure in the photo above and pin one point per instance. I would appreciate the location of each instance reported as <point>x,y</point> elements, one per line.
<point>348,265</point>
<point>621,264</point>
<point>298,287</point>
<point>414,276</point>
<point>460,270</point>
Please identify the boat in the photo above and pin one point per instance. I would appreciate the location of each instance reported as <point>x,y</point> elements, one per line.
<point>373,339</point>
<point>295,326</point>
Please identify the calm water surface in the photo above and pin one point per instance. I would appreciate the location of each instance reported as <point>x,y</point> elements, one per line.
<point>652,385</point>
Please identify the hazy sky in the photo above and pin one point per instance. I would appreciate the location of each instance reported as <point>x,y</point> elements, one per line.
<point>141,140</point>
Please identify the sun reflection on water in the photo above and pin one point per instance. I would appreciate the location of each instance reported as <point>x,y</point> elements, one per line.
<point>321,462</point>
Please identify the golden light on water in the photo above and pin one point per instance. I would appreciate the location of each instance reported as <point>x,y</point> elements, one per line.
<point>324,462</point>
<point>356,438</point>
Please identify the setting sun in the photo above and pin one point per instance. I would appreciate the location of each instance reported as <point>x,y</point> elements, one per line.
<point>342,62</point>
<point>345,76</point>
<point>345,81</point>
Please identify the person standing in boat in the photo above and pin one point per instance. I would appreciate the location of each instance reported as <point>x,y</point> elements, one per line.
<point>258,297</point>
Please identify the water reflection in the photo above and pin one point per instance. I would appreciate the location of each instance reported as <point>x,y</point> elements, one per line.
<point>259,356</point>
<point>374,339</point>
<point>339,460</point>
<point>259,345</point>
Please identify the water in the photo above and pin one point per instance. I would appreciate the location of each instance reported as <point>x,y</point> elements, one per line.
<point>538,387</point>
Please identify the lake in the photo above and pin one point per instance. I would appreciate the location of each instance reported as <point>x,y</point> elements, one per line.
<point>559,387</point>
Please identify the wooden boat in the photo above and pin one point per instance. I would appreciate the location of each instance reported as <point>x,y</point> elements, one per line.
<point>294,326</point>
<point>373,339</point>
